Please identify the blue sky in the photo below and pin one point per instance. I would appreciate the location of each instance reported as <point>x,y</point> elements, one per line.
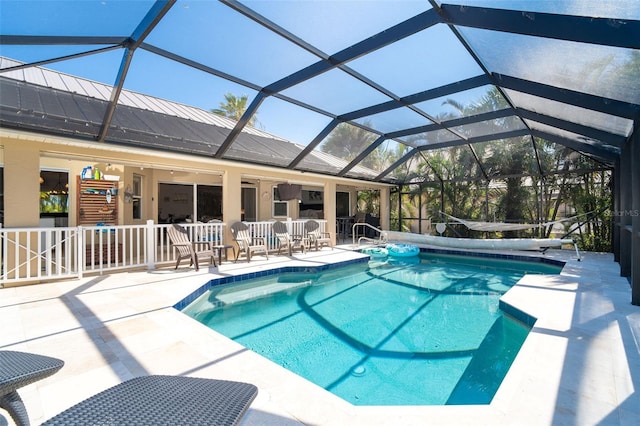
<point>211,33</point>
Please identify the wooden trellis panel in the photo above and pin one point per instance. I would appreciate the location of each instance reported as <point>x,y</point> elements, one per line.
<point>93,206</point>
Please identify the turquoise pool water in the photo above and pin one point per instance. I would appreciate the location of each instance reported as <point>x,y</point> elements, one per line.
<point>423,331</point>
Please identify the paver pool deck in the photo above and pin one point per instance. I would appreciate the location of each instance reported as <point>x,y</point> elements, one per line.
<point>580,365</point>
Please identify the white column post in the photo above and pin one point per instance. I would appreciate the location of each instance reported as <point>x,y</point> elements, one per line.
<point>151,245</point>
<point>80,251</point>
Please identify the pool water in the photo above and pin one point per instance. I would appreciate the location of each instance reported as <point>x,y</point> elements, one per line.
<point>421,331</point>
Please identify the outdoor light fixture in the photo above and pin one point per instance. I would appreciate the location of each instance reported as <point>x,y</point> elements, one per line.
<point>59,188</point>
<point>128,194</point>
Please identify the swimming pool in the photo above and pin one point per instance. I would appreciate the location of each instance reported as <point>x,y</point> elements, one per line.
<point>421,331</point>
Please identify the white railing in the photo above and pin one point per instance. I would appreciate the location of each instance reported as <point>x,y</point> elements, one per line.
<point>44,254</point>
<point>114,247</point>
<point>38,253</point>
<point>295,227</point>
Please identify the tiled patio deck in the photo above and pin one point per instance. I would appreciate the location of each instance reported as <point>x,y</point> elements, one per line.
<point>579,366</point>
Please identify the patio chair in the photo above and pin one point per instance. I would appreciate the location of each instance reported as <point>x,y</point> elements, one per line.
<point>188,250</point>
<point>163,400</point>
<point>247,244</point>
<point>286,240</point>
<point>315,236</point>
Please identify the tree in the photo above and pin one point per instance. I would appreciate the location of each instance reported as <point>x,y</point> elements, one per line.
<point>369,201</point>
<point>347,141</point>
<point>234,107</point>
<point>510,158</point>
<point>590,195</point>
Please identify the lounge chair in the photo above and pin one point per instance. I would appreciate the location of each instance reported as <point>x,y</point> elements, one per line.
<point>188,250</point>
<point>316,237</point>
<point>286,240</point>
<point>247,244</point>
<point>19,369</point>
<point>163,400</point>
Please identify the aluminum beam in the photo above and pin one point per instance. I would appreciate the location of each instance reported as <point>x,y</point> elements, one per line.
<point>477,139</point>
<point>144,28</point>
<point>375,42</point>
<point>571,97</point>
<point>392,167</point>
<point>606,155</point>
<point>603,31</point>
<point>315,142</point>
<point>39,40</point>
<point>590,132</point>
<point>448,89</point>
<point>362,155</point>
<point>231,137</point>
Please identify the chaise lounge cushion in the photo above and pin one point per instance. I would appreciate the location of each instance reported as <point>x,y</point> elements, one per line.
<point>163,400</point>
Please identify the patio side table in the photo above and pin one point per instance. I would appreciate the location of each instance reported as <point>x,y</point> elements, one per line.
<point>223,248</point>
<point>19,369</point>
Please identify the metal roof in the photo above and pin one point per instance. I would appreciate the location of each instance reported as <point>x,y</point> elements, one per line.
<point>160,125</point>
<point>92,89</point>
<point>415,79</point>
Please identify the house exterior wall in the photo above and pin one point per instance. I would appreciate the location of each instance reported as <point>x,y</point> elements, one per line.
<point>24,154</point>
<point>21,184</point>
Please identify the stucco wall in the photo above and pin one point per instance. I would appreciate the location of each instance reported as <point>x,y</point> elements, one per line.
<point>24,154</point>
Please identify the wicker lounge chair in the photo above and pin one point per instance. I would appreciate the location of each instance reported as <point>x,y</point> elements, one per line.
<point>286,240</point>
<point>315,236</point>
<point>186,249</point>
<point>247,244</point>
<point>19,369</point>
<point>163,400</point>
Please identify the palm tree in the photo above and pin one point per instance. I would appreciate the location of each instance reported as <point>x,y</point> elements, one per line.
<point>347,141</point>
<point>234,107</point>
<point>511,157</point>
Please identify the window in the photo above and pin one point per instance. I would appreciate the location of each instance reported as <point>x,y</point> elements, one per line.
<point>280,208</point>
<point>137,197</point>
<point>249,205</point>
<point>175,203</point>
<point>209,203</point>
<point>312,204</point>
<point>54,194</point>
<point>343,204</point>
